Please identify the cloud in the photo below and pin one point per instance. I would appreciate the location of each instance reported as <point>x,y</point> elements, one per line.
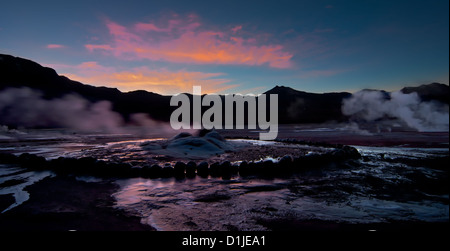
<point>184,41</point>
<point>55,46</point>
<point>92,47</point>
<point>142,78</point>
<point>236,28</point>
<point>149,27</point>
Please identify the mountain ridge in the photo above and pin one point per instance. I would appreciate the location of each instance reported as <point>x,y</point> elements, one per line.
<point>295,106</point>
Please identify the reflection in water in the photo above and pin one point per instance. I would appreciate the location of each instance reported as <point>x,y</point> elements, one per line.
<point>376,191</point>
<point>196,204</point>
<point>23,178</point>
<point>387,184</point>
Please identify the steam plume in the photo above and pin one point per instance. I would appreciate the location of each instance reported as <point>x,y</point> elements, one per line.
<point>371,106</point>
<point>26,107</point>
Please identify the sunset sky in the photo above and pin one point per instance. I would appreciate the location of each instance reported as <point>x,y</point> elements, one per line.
<point>233,46</point>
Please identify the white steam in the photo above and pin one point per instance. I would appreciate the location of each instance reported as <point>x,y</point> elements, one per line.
<point>27,108</point>
<point>371,106</point>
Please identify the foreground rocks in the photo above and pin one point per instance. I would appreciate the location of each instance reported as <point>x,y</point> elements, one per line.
<point>282,166</point>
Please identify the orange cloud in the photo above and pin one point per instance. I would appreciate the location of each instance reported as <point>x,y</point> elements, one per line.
<point>55,46</point>
<point>236,29</point>
<point>148,27</point>
<point>92,47</point>
<point>182,41</point>
<point>142,78</point>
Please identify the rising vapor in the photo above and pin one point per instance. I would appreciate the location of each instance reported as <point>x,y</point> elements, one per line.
<point>27,108</point>
<point>370,106</point>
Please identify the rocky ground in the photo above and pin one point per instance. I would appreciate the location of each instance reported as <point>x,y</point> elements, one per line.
<point>63,203</point>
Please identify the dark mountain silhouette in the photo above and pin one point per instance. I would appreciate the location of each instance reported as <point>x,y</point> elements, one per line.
<point>18,72</point>
<point>294,106</point>
<point>434,91</point>
<point>303,107</point>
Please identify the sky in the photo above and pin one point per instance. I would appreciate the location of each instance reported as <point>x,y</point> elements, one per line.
<point>233,46</point>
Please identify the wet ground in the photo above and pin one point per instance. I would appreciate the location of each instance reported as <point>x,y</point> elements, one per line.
<point>401,180</point>
<point>371,192</point>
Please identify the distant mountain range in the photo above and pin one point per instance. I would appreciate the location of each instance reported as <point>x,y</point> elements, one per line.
<point>294,106</point>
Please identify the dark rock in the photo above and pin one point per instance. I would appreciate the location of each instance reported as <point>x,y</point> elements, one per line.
<point>344,153</point>
<point>190,224</point>
<point>135,171</point>
<point>286,161</point>
<point>225,170</point>
<point>215,135</point>
<point>351,152</point>
<point>203,132</point>
<point>225,166</point>
<point>268,168</point>
<point>101,168</point>
<point>155,171</point>
<point>234,168</point>
<point>366,158</point>
<point>87,161</point>
<point>182,135</point>
<point>285,164</point>
<point>120,170</point>
<point>310,161</point>
<point>263,188</point>
<point>258,167</point>
<point>297,163</point>
<point>202,169</point>
<point>212,197</point>
<point>337,155</point>
<point>214,169</point>
<point>191,167</point>
<point>252,167</point>
<point>8,158</point>
<point>244,169</point>
<point>64,165</point>
<point>32,161</point>
<point>167,171</point>
<point>179,168</point>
